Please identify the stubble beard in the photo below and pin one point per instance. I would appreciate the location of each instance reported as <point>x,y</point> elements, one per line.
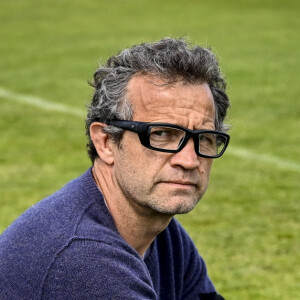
<point>155,203</point>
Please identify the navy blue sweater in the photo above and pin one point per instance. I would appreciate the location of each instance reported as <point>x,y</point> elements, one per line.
<point>67,247</point>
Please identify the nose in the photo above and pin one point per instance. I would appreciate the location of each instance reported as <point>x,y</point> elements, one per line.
<point>187,157</point>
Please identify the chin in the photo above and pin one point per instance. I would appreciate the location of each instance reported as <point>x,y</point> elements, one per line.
<point>179,208</point>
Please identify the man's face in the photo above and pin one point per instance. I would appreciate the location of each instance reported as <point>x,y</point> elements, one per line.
<point>168,183</point>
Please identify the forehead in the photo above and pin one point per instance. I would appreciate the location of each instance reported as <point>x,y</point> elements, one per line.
<point>154,100</point>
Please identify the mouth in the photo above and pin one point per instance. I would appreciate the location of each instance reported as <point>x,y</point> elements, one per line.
<point>180,184</point>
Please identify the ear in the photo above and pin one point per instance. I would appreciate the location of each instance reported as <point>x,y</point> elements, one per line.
<point>102,142</point>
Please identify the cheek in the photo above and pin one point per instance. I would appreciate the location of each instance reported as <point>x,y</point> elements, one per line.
<point>149,166</point>
<point>205,167</point>
<point>136,160</point>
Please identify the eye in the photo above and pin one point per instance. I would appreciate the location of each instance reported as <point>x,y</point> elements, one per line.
<point>166,137</point>
<point>161,133</point>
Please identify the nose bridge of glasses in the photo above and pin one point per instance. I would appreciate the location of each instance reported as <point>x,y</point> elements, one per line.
<point>195,135</point>
<point>190,137</point>
<point>182,135</point>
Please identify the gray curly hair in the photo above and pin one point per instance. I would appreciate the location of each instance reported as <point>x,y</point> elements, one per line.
<point>170,59</point>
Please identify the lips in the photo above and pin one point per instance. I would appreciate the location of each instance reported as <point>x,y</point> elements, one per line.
<point>180,182</point>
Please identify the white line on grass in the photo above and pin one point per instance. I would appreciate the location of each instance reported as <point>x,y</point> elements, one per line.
<point>61,108</point>
<point>41,103</point>
<point>265,158</point>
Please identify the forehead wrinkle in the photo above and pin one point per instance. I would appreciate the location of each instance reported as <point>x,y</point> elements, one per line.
<point>193,111</point>
<point>190,120</point>
<point>180,110</point>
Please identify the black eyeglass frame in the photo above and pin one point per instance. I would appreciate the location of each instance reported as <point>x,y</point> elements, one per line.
<point>143,130</point>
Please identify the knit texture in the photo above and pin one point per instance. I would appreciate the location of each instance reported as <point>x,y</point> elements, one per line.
<point>67,247</point>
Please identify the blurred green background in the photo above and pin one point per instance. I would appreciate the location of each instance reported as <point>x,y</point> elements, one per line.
<point>247,225</point>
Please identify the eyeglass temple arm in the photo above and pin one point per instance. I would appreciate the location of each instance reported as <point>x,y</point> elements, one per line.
<point>128,125</point>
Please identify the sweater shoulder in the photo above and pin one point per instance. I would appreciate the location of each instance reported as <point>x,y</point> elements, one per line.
<point>36,237</point>
<point>97,269</point>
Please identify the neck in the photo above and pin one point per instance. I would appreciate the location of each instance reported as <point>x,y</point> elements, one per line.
<point>137,225</point>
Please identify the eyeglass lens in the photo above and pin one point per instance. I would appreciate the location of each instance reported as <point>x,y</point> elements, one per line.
<point>168,138</point>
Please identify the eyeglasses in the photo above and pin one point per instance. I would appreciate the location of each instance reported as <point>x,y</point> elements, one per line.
<point>165,137</point>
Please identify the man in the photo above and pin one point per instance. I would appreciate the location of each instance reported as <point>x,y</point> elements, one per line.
<point>154,126</point>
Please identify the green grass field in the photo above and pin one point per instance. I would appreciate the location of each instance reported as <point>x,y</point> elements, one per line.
<point>247,225</point>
